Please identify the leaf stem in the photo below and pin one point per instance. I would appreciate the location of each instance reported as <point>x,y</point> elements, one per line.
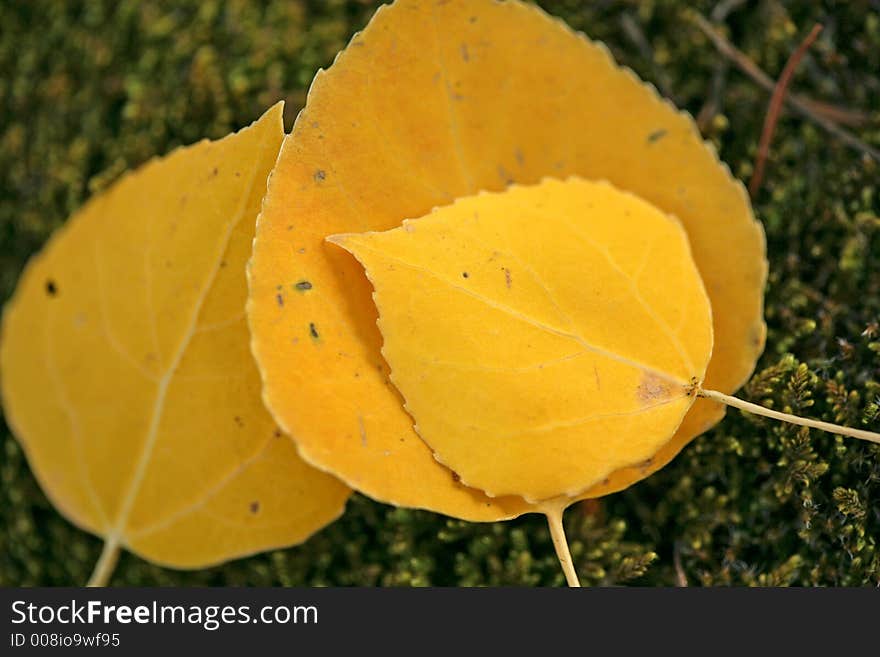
<point>106,563</point>
<point>787,417</point>
<point>557,532</point>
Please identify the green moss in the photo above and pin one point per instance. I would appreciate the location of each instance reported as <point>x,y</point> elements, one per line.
<point>90,89</point>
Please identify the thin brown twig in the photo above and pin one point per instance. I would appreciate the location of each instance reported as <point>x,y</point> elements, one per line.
<point>825,116</point>
<point>802,103</point>
<point>775,107</point>
<point>841,115</point>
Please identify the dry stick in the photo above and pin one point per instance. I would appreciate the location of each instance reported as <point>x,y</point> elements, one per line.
<point>807,106</point>
<point>776,99</point>
<point>106,563</point>
<point>557,533</point>
<point>817,112</point>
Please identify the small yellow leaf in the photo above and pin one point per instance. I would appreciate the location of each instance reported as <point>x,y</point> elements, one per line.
<point>542,337</point>
<point>126,373</point>
<point>435,101</point>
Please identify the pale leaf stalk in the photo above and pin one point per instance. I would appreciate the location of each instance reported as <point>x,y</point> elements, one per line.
<point>557,532</point>
<point>106,563</point>
<point>788,417</point>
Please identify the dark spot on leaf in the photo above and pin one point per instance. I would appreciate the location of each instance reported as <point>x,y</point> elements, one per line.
<point>238,174</point>
<point>280,299</point>
<point>455,476</point>
<point>222,264</point>
<point>277,433</point>
<point>320,175</point>
<point>215,171</point>
<point>464,274</point>
<point>656,136</point>
<point>313,331</point>
<point>51,288</point>
<point>238,421</point>
<point>303,286</point>
<point>507,278</point>
<point>255,507</point>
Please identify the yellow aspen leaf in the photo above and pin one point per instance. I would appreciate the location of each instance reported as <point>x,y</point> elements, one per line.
<point>542,337</point>
<point>436,101</point>
<point>126,373</point>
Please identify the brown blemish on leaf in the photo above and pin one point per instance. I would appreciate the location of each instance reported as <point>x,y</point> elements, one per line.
<point>656,136</point>
<point>654,389</point>
<point>313,331</point>
<point>320,175</point>
<point>508,281</point>
<point>303,286</point>
<point>255,507</point>
<point>51,288</point>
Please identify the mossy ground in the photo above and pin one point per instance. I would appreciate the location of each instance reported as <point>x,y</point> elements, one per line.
<point>90,89</point>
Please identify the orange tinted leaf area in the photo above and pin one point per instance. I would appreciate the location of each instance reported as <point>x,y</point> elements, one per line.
<point>550,356</point>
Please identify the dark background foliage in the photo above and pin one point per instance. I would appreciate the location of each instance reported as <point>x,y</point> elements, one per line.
<point>90,89</point>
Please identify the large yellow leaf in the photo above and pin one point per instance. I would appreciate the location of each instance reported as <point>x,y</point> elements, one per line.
<point>126,373</point>
<point>431,102</point>
<point>542,337</point>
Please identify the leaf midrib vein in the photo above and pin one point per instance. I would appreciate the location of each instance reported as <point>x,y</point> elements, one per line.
<point>531,320</point>
<point>117,532</point>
